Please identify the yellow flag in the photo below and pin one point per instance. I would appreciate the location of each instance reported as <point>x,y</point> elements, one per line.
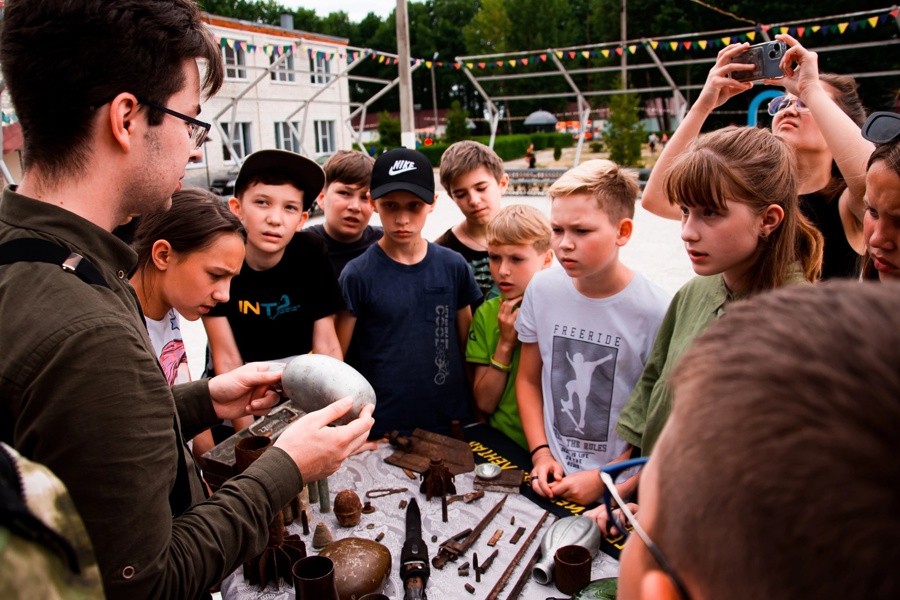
<point>654,44</point>
<point>605,53</point>
<point>842,27</point>
<point>873,21</point>
<point>702,44</point>
<point>751,35</point>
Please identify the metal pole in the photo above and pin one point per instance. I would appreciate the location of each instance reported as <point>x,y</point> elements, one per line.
<point>407,123</point>
<point>434,93</point>
<point>624,47</point>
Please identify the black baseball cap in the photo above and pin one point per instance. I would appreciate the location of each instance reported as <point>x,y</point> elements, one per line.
<point>403,169</point>
<point>882,127</point>
<point>305,172</point>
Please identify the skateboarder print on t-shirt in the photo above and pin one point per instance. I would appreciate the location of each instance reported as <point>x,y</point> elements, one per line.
<point>582,385</point>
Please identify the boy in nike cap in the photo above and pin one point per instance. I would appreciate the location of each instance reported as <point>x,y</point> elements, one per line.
<point>409,306</point>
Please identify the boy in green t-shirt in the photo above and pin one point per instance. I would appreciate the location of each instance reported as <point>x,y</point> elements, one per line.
<point>518,239</point>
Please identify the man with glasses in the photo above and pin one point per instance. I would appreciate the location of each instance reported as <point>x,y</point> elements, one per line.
<point>776,475</point>
<point>108,95</point>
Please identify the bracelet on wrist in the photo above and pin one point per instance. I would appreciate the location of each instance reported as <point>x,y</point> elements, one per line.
<point>499,365</point>
<point>541,447</point>
<point>541,454</point>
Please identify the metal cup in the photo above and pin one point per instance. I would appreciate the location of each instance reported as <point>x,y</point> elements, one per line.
<point>573,568</point>
<point>314,579</point>
<point>248,449</point>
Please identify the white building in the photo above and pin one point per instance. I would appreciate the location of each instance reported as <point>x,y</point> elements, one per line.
<point>276,95</point>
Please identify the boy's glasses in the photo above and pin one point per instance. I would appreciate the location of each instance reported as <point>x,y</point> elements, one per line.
<point>781,103</point>
<point>608,475</point>
<point>198,129</point>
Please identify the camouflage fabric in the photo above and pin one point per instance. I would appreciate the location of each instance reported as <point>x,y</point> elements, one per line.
<point>29,566</point>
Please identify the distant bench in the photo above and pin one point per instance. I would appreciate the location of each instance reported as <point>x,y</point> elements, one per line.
<point>534,182</point>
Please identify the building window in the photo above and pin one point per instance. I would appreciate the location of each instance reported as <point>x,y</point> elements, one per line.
<point>240,148</point>
<point>324,137</point>
<point>285,69</point>
<point>321,68</point>
<point>235,61</point>
<point>285,138</point>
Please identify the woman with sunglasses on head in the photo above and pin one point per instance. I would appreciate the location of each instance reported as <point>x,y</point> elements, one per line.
<point>820,118</point>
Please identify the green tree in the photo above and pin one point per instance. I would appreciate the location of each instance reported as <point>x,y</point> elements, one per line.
<point>388,130</point>
<point>457,123</point>
<point>624,135</point>
<point>487,31</point>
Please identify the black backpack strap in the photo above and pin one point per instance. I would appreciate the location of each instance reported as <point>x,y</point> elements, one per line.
<point>37,250</point>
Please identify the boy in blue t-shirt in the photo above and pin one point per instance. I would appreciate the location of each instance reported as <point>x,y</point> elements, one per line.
<point>409,306</point>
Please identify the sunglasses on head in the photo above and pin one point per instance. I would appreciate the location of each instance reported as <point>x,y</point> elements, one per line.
<point>781,103</point>
<point>882,128</point>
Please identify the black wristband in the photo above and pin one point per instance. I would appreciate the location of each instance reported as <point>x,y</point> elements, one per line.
<point>541,447</point>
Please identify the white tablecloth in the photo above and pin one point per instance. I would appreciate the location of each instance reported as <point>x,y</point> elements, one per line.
<point>368,471</point>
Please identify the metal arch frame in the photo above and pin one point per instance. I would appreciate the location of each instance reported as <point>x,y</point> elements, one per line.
<point>680,100</point>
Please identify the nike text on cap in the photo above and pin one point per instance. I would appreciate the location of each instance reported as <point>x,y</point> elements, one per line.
<point>403,169</point>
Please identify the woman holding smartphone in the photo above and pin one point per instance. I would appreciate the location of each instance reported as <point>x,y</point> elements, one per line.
<point>819,117</point>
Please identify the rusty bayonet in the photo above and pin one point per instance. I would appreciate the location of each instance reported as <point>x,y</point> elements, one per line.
<point>454,548</point>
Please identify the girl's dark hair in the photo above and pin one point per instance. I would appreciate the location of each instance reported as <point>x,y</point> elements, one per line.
<point>196,219</point>
<point>889,153</point>
<point>755,167</point>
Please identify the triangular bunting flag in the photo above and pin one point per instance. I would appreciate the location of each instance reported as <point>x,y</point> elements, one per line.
<point>632,48</point>
<point>801,31</point>
<point>512,63</point>
<point>571,54</point>
<point>895,12</point>
<point>726,40</point>
<point>586,53</point>
<point>220,41</point>
<point>855,24</point>
<point>472,65</point>
<point>269,50</point>
<point>482,65</point>
<point>524,61</point>
<point>654,44</point>
<point>842,27</point>
<point>619,51</point>
<point>687,46</point>
<point>499,63</point>
<point>792,31</point>
<point>543,57</point>
<point>784,30</point>
<point>605,52</point>
<point>766,27</point>
<point>381,58</point>
<point>815,28</point>
<point>457,65</point>
<point>702,44</point>
<point>751,35</point>
<point>559,55</point>
<point>230,43</point>
<point>673,45</point>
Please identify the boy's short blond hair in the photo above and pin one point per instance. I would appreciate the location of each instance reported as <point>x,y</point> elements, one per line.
<point>520,225</point>
<point>614,188</point>
<point>466,156</point>
<point>350,167</point>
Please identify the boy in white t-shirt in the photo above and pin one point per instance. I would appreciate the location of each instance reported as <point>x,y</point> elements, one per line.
<point>586,333</point>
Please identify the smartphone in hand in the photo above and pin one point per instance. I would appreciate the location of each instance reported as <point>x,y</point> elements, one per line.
<point>766,57</point>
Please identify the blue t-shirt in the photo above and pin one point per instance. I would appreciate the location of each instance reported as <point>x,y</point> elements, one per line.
<point>407,339</point>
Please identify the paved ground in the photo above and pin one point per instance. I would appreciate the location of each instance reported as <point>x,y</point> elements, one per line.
<point>655,250</point>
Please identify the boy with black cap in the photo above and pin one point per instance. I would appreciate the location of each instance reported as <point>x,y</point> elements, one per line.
<point>409,306</point>
<point>284,299</point>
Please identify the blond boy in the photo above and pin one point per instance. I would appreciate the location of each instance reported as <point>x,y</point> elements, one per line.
<point>518,247</point>
<point>344,200</point>
<point>586,332</point>
<point>284,300</point>
<point>474,177</point>
<point>409,306</point>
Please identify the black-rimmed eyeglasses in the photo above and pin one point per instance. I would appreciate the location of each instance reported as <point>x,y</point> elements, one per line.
<point>608,475</point>
<point>198,129</point>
